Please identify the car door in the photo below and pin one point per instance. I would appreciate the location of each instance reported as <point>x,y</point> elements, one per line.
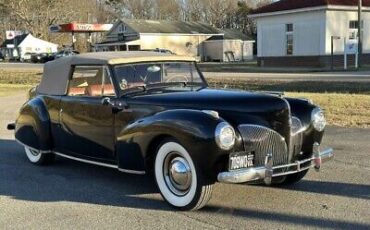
<point>86,125</point>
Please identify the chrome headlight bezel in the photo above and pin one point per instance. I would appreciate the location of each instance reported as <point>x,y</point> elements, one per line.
<point>225,136</point>
<point>318,119</point>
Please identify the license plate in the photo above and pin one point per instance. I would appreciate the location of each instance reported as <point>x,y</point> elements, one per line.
<point>241,160</point>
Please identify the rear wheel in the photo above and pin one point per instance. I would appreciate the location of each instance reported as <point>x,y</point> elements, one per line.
<point>36,157</point>
<point>180,181</point>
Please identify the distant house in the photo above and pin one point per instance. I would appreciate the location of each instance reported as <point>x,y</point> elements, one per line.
<point>232,46</point>
<point>299,33</point>
<point>182,38</point>
<point>17,47</point>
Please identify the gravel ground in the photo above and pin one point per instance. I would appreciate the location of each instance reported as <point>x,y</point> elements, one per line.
<point>69,194</point>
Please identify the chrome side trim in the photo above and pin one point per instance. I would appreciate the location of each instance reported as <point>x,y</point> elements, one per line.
<point>86,161</point>
<point>37,150</point>
<point>131,171</point>
<point>101,164</point>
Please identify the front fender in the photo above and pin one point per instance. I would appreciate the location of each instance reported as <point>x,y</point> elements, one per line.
<point>302,109</point>
<point>194,129</point>
<point>32,127</point>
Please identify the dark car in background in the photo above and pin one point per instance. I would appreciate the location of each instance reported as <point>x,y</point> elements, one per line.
<point>141,112</point>
<point>46,57</point>
<point>37,57</point>
<point>65,53</point>
<point>60,54</point>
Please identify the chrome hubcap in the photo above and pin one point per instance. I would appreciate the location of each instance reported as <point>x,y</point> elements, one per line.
<point>177,174</point>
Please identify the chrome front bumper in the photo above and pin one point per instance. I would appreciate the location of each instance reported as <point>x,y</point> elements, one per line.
<point>266,172</point>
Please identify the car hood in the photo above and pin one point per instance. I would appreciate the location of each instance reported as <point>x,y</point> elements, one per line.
<point>232,105</point>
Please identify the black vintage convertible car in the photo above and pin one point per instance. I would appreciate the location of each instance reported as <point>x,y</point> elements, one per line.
<point>142,112</point>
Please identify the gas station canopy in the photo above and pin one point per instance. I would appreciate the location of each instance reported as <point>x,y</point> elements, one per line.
<point>79,28</point>
<point>74,28</point>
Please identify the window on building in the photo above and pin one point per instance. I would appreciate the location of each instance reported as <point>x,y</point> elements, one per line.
<point>353,29</point>
<point>289,38</point>
<point>289,27</point>
<point>122,29</point>
<point>289,44</point>
<point>354,24</point>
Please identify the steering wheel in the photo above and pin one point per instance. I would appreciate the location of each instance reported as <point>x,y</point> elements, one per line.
<point>181,78</point>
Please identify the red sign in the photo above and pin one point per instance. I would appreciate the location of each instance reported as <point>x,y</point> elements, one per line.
<point>10,34</point>
<point>80,28</point>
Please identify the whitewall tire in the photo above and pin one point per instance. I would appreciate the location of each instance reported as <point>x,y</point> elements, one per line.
<point>36,157</point>
<point>181,183</point>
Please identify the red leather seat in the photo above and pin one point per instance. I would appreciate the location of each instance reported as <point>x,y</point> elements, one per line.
<point>96,90</point>
<point>109,89</point>
<point>77,91</point>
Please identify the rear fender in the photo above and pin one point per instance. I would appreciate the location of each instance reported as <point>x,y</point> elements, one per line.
<point>32,127</point>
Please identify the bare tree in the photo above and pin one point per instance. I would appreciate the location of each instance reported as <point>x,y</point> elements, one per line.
<point>193,10</point>
<point>167,10</point>
<point>220,13</point>
<point>36,16</point>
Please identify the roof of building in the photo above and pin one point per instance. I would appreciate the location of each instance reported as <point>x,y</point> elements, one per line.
<point>283,5</point>
<point>178,27</point>
<point>15,41</point>
<point>231,34</point>
<point>57,73</point>
<point>236,34</point>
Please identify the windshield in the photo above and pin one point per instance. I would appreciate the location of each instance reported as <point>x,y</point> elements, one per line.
<point>157,75</point>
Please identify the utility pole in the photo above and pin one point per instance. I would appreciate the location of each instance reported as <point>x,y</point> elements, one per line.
<point>359,32</point>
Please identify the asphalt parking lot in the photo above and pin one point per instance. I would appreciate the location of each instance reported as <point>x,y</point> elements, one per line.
<point>76,195</point>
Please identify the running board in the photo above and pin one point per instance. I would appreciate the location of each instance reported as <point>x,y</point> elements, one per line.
<point>100,164</point>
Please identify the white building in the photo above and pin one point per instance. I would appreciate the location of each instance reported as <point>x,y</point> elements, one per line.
<point>183,38</point>
<point>299,33</point>
<point>233,46</point>
<point>17,47</point>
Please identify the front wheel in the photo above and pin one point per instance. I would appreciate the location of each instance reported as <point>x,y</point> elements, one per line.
<point>180,181</point>
<point>36,157</point>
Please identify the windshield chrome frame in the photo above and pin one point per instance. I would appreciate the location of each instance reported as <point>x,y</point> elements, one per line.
<point>121,93</point>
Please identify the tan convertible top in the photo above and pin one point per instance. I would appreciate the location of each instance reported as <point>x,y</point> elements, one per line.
<point>57,73</point>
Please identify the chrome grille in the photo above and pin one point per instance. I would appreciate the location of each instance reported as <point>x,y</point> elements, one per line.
<point>261,140</point>
<point>296,138</point>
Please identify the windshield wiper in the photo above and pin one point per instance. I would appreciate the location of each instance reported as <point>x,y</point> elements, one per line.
<point>171,84</point>
<point>166,84</point>
<point>144,87</point>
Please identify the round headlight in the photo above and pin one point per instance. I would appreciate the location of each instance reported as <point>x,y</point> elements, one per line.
<point>225,136</point>
<point>318,119</point>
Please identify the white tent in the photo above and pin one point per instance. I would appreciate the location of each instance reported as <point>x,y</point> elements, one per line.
<point>35,45</point>
<point>26,43</point>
